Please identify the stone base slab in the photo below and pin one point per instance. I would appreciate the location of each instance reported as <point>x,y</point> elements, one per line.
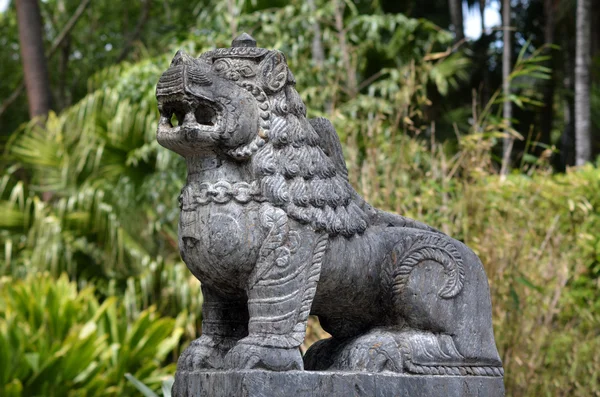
<point>257,383</point>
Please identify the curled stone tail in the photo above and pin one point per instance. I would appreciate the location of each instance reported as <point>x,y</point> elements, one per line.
<point>414,250</point>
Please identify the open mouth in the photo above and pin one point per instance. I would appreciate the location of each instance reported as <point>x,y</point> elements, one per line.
<point>202,116</point>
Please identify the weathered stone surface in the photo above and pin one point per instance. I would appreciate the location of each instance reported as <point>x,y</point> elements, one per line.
<point>331,384</point>
<point>274,231</point>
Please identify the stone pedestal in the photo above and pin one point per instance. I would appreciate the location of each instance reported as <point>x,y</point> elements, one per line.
<point>258,383</point>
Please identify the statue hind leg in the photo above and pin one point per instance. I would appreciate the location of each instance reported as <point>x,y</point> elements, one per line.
<point>439,290</point>
<point>438,319</point>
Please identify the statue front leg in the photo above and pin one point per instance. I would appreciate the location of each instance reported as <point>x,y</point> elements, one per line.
<point>224,323</point>
<point>280,293</point>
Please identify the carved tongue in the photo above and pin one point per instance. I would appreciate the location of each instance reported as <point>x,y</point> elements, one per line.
<point>189,119</point>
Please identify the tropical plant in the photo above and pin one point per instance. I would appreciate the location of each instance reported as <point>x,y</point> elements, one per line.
<point>58,341</point>
<point>94,200</point>
<point>146,391</point>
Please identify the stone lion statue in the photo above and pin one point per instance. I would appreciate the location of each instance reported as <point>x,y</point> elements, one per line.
<point>274,231</point>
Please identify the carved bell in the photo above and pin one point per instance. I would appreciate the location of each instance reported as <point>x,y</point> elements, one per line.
<point>244,40</point>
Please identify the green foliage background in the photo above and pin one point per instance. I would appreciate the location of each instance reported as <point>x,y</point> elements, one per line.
<point>92,284</point>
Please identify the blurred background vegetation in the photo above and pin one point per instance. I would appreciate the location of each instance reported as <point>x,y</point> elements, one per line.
<point>91,283</point>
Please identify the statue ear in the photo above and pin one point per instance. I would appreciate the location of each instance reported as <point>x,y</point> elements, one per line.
<point>273,71</point>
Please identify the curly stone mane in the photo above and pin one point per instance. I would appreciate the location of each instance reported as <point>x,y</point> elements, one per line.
<point>296,175</point>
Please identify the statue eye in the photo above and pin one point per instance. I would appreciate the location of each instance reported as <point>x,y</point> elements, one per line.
<point>246,71</point>
<point>221,66</point>
<point>233,75</point>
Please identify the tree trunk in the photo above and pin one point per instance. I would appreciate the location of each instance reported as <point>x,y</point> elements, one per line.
<point>507,105</point>
<point>567,141</point>
<point>233,14</point>
<point>595,74</point>
<point>318,54</point>
<point>595,33</point>
<point>548,111</point>
<point>62,99</point>
<point>456,17</point>
<point>482,14</point>
<point>351,83</point>
<point>55,44</point>
<point>485,90</point>
<point>35,67</point>
<point>583,151</point>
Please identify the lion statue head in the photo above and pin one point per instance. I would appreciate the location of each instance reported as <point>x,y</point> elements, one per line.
<point>241,104</point>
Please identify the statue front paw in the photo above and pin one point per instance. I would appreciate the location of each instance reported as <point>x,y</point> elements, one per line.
<point>206,352</point>
<point>247,356</point>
